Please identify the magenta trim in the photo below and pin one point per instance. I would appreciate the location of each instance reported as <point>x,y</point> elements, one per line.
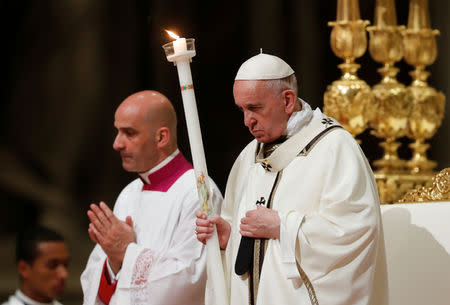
<point>165,177</point>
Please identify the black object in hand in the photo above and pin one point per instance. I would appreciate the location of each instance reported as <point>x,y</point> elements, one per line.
<point>244,258</point>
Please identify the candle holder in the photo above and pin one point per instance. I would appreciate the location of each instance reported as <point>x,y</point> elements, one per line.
<point>172,56</point>
<point>427,104</point>
<point>391,107</point>
<point>390,111</point>
<point>346,99</point>
<point>426,108</point>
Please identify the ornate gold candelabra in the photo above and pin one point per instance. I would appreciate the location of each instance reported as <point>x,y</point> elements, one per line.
<point>427,104</point>
<point>391,107</point>
<point>346,99</point>
<point>392,110</point>
<point>416,111</point>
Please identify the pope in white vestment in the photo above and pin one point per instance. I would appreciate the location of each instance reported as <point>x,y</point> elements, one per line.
<point>317,180</point>
<point>328,205</point>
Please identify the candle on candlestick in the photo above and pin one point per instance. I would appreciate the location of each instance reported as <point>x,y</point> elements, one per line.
<point>385,13</point>
<point>180,52</point>
<point>179,49</point>
<point>179,45</point>
<point>418,17</point>
<point>347,10</point>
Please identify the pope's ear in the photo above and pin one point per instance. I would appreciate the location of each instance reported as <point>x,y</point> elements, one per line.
<point>289,99</point>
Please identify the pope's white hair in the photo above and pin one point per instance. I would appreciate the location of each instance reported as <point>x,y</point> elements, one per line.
<point>279,85</point>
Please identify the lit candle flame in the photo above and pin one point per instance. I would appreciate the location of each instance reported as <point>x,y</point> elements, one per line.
<point>172,34</point>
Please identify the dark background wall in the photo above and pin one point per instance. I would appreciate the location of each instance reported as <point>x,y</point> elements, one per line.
<point>68,64</point>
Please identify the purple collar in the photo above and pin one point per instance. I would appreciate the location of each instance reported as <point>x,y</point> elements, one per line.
<point>165,177</point>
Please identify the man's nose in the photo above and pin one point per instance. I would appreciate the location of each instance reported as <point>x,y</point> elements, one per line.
<point>63,272</point>
<point>118,143</point>
<point>249,120</point>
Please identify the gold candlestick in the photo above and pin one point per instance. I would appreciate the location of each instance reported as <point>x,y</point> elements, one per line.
<point>427,104</point>
<point>346,99</point>
<point>391,107</point>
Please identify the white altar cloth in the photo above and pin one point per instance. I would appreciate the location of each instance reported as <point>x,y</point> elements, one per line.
<point>417,239</point>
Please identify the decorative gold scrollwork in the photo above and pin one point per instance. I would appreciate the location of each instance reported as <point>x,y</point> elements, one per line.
<point>439,191</point>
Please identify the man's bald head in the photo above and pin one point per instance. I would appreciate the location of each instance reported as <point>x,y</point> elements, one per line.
<point>147,127</point>
<point>154,108</point>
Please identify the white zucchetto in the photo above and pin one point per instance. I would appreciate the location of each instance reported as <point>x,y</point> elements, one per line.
<point>263,67</point>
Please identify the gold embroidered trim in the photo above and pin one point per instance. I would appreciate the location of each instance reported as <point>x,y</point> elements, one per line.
<point>316,139</point>
<point>256,272</point>
<point>256,275</point>
<point>309,286</point>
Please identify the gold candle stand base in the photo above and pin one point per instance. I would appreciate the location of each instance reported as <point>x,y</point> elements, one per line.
<point>390,162</point>
<point>392,187</point>
<point>419,163</point>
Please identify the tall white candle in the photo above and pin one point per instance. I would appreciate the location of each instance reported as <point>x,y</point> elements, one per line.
<point>216,288</point>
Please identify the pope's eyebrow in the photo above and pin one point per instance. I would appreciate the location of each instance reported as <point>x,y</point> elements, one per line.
<point>249,105</point>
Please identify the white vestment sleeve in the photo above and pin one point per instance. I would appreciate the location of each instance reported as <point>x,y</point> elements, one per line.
<point>90,278</point>
<point>336,245</point>
<point>112,276</point>
<point>229,209</point>
<point>289,227</point>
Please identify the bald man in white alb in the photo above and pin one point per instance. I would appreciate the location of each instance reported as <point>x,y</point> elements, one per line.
<point>146,250</point>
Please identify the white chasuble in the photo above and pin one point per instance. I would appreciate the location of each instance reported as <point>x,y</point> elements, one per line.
<point>328,205</point>
<point>166,265</point>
